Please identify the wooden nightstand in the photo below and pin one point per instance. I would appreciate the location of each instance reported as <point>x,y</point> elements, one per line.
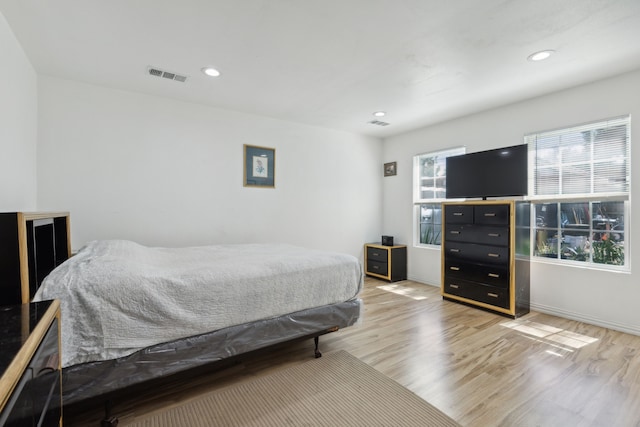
<point>30,385</point>
<point>385,262</point>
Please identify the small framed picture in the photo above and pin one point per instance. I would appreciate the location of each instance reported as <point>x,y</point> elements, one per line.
<point>259,166</point>
<point>390,169</point>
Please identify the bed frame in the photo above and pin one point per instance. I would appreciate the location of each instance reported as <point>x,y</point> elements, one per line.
<point>103,380</point>
<point>100,380</point>
<point>93,379</point>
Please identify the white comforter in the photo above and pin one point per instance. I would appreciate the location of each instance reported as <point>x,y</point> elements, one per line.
<point>118,296</point>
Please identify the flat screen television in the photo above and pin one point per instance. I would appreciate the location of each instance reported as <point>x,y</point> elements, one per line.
<point>502,172</point>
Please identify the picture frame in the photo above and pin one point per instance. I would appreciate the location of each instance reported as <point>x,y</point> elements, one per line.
<point>259,166</point>
<point>390,168</point>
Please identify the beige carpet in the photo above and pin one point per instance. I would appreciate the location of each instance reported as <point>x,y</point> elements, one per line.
<point>334,390</point>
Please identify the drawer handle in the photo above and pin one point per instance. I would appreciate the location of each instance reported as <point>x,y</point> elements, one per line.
<point>454,268</point>
<point>454,232</point>
<point>492,295</point>
<point>454,286</point>
<point>375,254</point>
<point>493,275</point>
<point>494,235</point>
<point>490,214</point>
<point>458,214</point>
<point>375,267</point>
<point>493,255</point>
<point>454,250</point>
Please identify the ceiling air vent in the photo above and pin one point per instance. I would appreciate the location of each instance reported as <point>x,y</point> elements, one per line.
<point>167,74</point>
<point>379,123</point>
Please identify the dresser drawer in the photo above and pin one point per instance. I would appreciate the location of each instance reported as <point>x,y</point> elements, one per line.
<point>491,214</point>
<point>477,253</point>
<point>35,400</point>
<point>478,292</point>
<point>493,275</point>
<point>381,268</point>
<point>487,235</point>
<point>376,254</point>
<point>460,214</point>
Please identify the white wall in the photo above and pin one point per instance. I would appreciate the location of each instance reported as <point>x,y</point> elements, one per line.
<point>18,125</point>
<point>168,173</point>
<point>596,296</point>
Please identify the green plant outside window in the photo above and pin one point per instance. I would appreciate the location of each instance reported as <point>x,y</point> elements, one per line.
<point>591,232</point>
<point>429,190</point>
<point>430,223</point>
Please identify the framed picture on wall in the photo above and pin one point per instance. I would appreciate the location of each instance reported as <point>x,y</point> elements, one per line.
<point>390,169</point>
<point>259,166</point>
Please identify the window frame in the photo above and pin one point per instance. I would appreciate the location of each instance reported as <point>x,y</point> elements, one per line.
<point>434,202</point>
<point>591,198</point>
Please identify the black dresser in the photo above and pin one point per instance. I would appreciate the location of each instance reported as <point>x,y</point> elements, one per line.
<point>485,255</point>
<point>30,385</point>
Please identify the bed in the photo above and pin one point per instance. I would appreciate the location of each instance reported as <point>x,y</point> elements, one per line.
<point>131,313</point>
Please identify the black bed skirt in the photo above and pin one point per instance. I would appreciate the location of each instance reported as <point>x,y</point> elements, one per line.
<point>88,380</point>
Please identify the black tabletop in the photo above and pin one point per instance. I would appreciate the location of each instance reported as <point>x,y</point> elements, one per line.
<point>16,323</point>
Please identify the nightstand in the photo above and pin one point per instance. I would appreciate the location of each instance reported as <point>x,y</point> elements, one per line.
<point>385,262</point>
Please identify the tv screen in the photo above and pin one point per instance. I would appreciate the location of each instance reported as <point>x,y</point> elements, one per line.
<point>493,173</point>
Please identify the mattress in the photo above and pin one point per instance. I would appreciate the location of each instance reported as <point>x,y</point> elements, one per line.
<point>118,296</point>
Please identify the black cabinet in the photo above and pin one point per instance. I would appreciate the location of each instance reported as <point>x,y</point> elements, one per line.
<point>33,244</point>
<point>485,256</point>
<point>30,385</point>
<point>386,262</point>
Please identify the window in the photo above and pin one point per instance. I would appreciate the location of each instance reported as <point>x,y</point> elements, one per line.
<point>580,198</point>
<point>428,193</point>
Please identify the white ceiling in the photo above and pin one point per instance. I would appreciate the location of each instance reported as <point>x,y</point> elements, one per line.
<point>332,63</point>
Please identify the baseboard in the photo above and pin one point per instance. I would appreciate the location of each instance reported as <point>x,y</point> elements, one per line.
<point>422,281</point>
<point>554,311</point>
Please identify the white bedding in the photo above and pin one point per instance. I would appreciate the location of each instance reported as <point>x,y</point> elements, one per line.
<point>118,296</point>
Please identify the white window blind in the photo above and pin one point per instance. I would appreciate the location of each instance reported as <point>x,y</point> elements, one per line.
<point>586,160</point>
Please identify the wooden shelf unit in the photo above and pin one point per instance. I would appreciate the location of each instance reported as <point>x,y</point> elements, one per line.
<point>33,243</point>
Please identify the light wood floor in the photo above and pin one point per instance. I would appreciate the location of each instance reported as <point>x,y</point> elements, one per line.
<point>480,368</point>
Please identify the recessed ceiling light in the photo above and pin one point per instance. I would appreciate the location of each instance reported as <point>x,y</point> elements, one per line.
<point>379,114</point>
<point>539,56</point>
<point>212,72</point>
